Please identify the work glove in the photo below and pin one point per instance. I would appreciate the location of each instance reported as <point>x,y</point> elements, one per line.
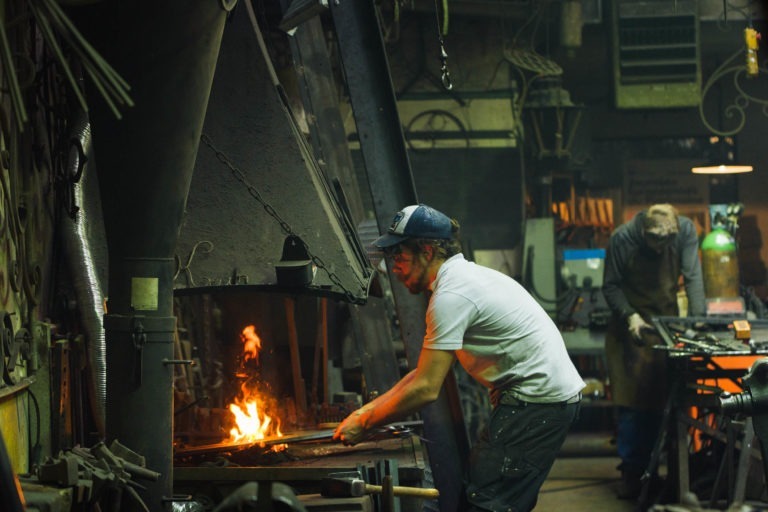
<point>636,326</point>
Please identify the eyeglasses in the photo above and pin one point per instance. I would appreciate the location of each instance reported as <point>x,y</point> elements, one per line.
<point>398,258</point>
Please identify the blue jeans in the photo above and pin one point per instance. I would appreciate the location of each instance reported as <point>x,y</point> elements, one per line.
<point>636,434</point>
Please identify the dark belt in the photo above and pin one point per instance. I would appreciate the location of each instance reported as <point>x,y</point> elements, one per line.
<point>506,398</point>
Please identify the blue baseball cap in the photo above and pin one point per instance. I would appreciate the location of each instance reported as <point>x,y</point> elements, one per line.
<point>416,221</point>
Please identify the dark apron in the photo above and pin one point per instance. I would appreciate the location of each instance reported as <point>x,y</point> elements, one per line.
<point>638,373</point>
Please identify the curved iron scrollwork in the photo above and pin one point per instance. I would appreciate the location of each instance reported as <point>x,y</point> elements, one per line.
<point>736,110</point>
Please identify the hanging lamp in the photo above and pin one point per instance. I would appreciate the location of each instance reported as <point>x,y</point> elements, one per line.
<point>722,158</point>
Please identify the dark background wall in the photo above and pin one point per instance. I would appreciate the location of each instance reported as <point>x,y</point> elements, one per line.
<point>482,187</point>
<point>488,190</point>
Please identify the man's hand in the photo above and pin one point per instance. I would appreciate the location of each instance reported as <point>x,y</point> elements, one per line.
<point>352,430</point>
<point>636,326</point>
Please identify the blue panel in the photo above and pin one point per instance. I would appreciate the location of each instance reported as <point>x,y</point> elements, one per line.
<point>583,254</point>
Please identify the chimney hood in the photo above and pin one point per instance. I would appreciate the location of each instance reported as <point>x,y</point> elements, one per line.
<point>256,187</point>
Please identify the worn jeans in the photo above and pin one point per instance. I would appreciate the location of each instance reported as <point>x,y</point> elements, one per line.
<point>509,464</point>
<point>636,435</point>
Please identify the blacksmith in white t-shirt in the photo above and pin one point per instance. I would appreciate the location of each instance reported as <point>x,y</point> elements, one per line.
<point>503,338</point>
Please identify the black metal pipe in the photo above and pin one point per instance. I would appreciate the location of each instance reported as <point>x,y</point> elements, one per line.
<point>167,52</point>
<point>388,169</point>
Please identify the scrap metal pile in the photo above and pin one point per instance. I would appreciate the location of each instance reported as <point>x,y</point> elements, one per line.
<point>97,475</point>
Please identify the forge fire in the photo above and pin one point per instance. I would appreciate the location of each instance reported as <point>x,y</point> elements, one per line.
<point>254,409</point>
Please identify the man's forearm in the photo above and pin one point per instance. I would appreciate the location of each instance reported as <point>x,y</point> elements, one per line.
<point>403,399</point>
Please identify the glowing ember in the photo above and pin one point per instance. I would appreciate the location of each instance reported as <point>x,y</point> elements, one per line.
<point>252,423</point>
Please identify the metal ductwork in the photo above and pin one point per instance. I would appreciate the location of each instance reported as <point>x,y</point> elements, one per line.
<point>83,231</point>
<point>166,52</point>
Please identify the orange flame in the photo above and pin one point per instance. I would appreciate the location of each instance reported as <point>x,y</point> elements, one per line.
<point>251,343</point>
<point>252,423</point>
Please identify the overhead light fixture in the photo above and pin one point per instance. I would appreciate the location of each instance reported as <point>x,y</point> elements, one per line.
<point>550,118</point>
<point>722,158</point>
<point>722,169</point>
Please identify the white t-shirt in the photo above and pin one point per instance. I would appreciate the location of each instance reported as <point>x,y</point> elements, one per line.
<point>500,334</point>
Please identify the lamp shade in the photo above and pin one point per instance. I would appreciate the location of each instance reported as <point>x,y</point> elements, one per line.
<point>721,158</point>
<point>722,169</point>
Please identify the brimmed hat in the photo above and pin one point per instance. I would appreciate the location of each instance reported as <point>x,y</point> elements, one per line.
<point>416,221</point>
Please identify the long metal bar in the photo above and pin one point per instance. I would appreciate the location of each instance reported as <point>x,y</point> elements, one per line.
<point>296,437</point>
<point>388,431</point>
<point>388,169</point>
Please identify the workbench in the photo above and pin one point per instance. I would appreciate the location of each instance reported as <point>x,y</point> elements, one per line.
<point>695,432</point>
<point>303,465</point>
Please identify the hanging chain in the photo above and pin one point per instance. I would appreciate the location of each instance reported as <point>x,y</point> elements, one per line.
<point>445,75</point>
<point>240,176</point>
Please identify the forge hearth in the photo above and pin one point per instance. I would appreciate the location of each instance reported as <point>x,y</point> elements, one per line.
<point>289,351</point>
<point>259,369</point>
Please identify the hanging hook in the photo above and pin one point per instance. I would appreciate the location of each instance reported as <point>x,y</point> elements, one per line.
<point>445,75</point>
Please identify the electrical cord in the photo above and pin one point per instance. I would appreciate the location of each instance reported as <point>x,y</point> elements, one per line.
<point>36,448</point>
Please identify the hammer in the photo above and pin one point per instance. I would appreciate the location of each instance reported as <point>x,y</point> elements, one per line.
<point>348,487</point>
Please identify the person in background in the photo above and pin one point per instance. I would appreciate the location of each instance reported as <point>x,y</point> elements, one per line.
<point>503,338</point>
<point>644,261</point>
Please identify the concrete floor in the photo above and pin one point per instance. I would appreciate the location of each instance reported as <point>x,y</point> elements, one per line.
<point>584,479</point>
<point>583,484</point>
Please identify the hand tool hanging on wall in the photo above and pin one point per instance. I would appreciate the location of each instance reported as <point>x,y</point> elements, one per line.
<point>139,339</point>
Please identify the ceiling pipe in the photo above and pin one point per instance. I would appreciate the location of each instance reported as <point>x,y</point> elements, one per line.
<point>167,53</point>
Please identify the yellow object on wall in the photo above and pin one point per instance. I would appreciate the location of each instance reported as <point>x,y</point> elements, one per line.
<point>14,427</point>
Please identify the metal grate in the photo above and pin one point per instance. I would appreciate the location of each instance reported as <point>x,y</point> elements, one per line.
<point>658,49</point>
<point>656,53</point>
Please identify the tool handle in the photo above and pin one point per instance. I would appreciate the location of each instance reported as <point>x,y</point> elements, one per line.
<point>399,490</point>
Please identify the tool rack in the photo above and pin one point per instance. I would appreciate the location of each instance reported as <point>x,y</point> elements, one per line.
<point>705,362</point>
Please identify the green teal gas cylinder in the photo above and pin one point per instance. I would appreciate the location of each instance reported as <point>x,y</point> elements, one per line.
<point>720,265</point>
